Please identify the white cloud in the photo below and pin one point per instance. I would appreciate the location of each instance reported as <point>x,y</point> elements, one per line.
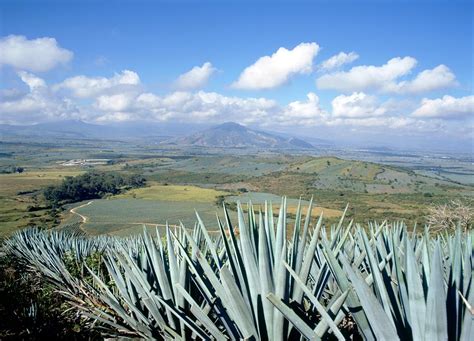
<point>195,78</point>
<point>36,55</point>
<point>116,117</point>
<point>307,112</point>
<point>438,78</point>
<point>112,99</point>
<point>272,71</point>
<point>202,106</point>
<point>367,77</point>
<point>117,102</point>
<point>39,104</point>
<point>31,80</point>
<point>83,87</point>
<point>385,78</point>
<point>357,105</point>
<point>447,107</point>
<point>338,60</point>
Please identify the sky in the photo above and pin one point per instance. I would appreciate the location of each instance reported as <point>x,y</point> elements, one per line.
<point>378,70</point>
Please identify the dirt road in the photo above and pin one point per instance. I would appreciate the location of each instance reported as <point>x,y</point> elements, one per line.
<point>83,217</point>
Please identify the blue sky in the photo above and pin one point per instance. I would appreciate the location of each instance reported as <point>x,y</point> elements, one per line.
<point>159,41</point>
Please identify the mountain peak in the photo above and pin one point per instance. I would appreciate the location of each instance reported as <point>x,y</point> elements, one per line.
<point>231,134</point>
<point>230,126</point>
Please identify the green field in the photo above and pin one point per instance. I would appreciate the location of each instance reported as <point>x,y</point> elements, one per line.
<point>127,216</point>
<point>155,205</point>
<point>173,193</point>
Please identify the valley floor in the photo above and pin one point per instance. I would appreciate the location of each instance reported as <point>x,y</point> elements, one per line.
<point>180,181</point>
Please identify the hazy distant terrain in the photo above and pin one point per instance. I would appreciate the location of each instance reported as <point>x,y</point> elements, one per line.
<point>233,161</point>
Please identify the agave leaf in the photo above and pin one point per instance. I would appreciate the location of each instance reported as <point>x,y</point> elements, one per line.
<point>269,230</point>
<point>184,318</point>
<point>416,299</point>
<point>334,310</point>
<point>467,332</point>
<point>302,245</point>
<point>157,263</point>
<point>379,321</point>
<point>296,236</point>
<point>308,259</point>
<point>197,275</point>
<point>266,278</point>
<point>436,326</point>
<point>249,256</point>
<point>291,316</point>
<point>281,290</point>
<point>241,278</point>
<point>230,254</point>
<point>280,233</point>
<point>319,307</point>
<point>201,315</point>
<point>210,244</point>
<point>242,314</point>
<point>378,280</point>
<point>352,300</point>
<point>172,262</point>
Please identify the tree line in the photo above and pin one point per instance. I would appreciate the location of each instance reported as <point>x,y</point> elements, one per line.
<point>91,185</point>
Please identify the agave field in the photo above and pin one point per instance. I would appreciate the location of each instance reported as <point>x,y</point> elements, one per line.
<point>264,277</point>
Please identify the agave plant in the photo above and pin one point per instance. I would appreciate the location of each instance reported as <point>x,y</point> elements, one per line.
<point>260,284</point>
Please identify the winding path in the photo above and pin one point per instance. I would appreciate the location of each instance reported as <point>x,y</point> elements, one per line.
<point>83,217</point>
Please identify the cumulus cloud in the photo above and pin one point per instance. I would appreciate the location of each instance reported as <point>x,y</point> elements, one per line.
<point>386,78</point>
<point>438,78</point>
<point>83,86</point>
<point>272,71</point>
<point>447,107</point>
<point>202,106</point>
<point>195,78</point>
<point>37,55</point>
<point>112,99</point>
<point>357,105</point>
<point>338,60</point>
<point>117,102</point>
<point>307,112</point>
<point>367,77</point>
<point>39,104</point>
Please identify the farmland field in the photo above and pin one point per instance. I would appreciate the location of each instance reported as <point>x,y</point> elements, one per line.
<point>127,216</point>
<point>17,196</point>
<point>173,193</point>
<point>155,205</point>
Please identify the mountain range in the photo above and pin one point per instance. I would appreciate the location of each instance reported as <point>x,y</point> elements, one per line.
<point>225,135</point>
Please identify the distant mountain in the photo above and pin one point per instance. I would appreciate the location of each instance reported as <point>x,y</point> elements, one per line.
<point>225,135</point>
<point>63,129</point>
<point>232,134</point>
<point>82,130</point>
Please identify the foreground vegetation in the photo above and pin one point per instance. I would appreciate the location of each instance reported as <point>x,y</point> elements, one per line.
<point>263,278</point>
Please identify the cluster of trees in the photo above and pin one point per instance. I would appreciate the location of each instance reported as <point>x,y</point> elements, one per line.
<point>12,169</point>
<point>92,185</point>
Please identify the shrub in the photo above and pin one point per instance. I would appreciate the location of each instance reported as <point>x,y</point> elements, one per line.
<point>449,216</point>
